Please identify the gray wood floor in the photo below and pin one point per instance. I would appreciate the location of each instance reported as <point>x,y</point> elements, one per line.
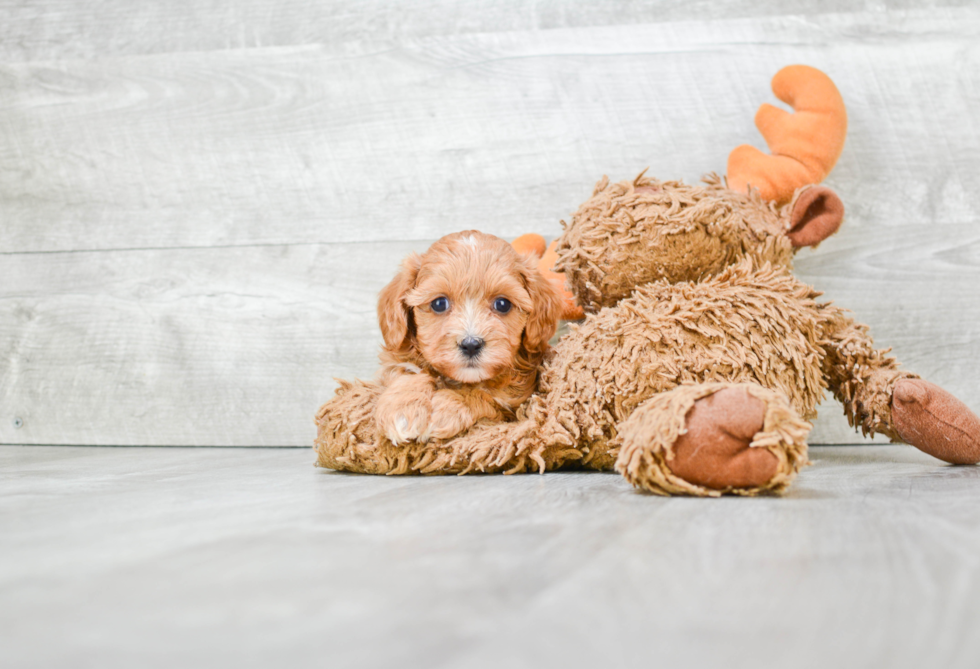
<point>178,557</point>
<point>200,201</point>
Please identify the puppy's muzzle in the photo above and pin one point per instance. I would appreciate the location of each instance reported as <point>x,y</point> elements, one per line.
<point>471,346</point>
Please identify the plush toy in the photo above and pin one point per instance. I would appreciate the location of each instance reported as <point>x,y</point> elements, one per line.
<point>701,357</point>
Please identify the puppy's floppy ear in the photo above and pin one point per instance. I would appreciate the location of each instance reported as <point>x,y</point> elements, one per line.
<point>547,306</point>
<point>394,315</point>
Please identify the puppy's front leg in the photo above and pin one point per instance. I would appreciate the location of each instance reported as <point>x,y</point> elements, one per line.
<point>403,409</point>
<point>456,411</point>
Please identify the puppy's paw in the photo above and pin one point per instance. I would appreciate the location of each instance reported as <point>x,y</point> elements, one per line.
<point>449,417</point>
<point>405,422</point>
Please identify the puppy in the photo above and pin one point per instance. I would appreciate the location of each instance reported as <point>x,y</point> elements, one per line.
<point>465,326</point>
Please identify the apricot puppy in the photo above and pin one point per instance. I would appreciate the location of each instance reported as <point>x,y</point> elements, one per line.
<point>466,326</point>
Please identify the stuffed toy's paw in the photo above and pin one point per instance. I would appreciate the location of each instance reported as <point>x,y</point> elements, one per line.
<point>535,244</point>
<point>932,420</point>
<point>715,450</point>
<point>711,439</point>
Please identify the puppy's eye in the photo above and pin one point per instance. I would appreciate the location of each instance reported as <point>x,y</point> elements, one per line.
<point>501,305</point>
<point>439,305</point>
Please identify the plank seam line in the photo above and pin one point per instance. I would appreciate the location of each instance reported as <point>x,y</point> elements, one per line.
<point>211,446</point>
<point>217,246</point>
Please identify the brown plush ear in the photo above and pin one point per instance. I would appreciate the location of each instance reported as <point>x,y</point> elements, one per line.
<point>815,214</point>
<point>546,311</point>
<point>394,315</point>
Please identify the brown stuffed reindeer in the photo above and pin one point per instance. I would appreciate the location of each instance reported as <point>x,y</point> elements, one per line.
<point>701,356</point>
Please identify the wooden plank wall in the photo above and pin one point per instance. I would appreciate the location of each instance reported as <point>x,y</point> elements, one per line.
<point>200,201</point>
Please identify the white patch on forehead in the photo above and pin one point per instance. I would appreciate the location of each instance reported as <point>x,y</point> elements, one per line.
<point>470,241</point>
<point>471,312</point>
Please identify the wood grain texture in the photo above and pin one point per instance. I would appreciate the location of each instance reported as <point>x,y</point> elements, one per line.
<point>194,230</point>
<point>62,29</point>
<point>225,347</point>
<point>224,557</point>
<point>504,131</point>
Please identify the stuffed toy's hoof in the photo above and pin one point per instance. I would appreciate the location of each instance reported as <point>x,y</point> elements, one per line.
<point>932,420</point>
<point>715,450</point>
<point>713,439</point>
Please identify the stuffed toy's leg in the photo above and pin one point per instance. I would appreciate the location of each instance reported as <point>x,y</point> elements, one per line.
<point>348,439</point>
<point>712,439</point>
<point>879,398</point>
<point>703,440</point>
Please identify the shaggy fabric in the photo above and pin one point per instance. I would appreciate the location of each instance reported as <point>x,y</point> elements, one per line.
<point>348,440</point>
<point>862,377</point>
<point>634,232</point>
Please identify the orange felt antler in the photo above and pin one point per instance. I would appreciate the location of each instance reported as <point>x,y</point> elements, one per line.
<point>805,145</point>
<point>530,243</point>
<point>548,256</point>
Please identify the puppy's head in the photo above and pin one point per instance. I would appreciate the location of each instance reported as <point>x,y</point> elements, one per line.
<point>471,307</point>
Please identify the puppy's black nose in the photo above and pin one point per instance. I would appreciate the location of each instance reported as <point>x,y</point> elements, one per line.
<point>471,346</point>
